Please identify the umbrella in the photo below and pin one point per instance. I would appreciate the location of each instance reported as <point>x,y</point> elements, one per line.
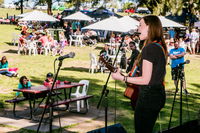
<point>169,23</point>
<point>38,16</point>
<point>129,22</point>
<point>108,24</point>
<point>78,16</point>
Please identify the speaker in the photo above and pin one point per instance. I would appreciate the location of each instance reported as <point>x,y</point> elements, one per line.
<point>188,127</point>
<point>116,128</point>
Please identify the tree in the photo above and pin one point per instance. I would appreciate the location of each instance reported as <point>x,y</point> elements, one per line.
<point>1,1</point>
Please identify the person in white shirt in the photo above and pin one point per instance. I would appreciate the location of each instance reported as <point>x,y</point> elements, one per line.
<point>194,37</point>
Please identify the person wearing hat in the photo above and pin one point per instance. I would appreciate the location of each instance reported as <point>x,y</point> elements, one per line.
<point>49,79</point>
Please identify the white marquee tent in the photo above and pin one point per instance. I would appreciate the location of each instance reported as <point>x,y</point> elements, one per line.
<point>109,24</point>
<point>24,14</point>
<point>129,22</point>
<point>78,16</point>
<point>169,23</point>
<point>38,16</point>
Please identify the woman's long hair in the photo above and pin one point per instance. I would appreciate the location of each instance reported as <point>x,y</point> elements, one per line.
<point>21,81</point>
<point>155,32</point>
<point>4,57</point>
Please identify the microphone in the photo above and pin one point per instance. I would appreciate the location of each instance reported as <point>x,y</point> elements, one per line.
<point>186,62</point>
<point>70,55</point>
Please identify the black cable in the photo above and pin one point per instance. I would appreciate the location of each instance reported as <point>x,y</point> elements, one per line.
<point>115,119</point>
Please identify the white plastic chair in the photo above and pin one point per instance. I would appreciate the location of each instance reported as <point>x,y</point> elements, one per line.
<point>73,40</point>
<point>93,63</point>
<point>82,92</point>
<point>47,48</point>
<point>15,38</point>
<point>32,47</point>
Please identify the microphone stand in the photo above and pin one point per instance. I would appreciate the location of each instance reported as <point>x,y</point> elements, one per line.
<point>49,101</point>
<point>105,91</point>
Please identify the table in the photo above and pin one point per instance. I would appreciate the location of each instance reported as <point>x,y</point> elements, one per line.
<point>41,92</point>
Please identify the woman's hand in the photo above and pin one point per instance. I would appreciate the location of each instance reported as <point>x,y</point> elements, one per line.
<point>117,75</point>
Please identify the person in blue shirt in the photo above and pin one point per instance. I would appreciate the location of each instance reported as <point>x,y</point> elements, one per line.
<point>171,33</point>
<point>4,68</point>
<point>177,57</point>
<point>24,82</point>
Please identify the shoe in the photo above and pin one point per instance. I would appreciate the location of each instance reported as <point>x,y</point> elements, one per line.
<point>186,92</point>
<point>177,90</point>
<point>15,75</point>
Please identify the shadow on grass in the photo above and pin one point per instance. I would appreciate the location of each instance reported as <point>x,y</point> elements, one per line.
<point>196,85</point>
<point>12,51</point>
<point>10,43</point>
<point>98,48</point>
<point>80,69</point>
<point>36,80</point>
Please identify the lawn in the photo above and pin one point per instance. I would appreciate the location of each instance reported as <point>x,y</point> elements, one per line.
<point>75,69</point>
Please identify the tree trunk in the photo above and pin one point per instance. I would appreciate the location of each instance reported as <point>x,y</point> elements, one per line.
<point>21,2</point>
<point>49,4</point>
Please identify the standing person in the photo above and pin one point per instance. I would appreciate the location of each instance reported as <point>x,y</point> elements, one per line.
<point>133,56</point>
<point>177,56</point>
<point>194,37</point>
<point>152,67</point>
<point>187,41</point>
<point>171,33</point>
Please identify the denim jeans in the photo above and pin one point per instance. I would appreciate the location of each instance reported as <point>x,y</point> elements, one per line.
<point>7,73</point>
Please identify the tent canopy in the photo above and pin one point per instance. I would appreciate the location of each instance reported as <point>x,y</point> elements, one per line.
<point>169,23</point>
<point>38,16</point>
<point>102,13</point>
<point>24,14</point>
<point>78,16</point>
<point>129,23</point>
<point>108,24</point>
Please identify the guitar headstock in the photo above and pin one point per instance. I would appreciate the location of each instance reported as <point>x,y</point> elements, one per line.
<point>107,64</point>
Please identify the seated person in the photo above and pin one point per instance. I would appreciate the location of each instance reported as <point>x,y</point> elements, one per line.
<point>24,82</point>
<point>4,70</point>
<point>105,53</point>
<point>49,79</point>
<point>23,44</point>
<point>63,40</point>
<point>78,32</point>
<point>43,39</point>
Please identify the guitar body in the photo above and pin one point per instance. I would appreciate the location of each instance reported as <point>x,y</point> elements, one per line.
<point>132,92</point>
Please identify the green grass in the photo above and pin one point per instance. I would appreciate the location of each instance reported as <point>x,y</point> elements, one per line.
<point>36,67</point>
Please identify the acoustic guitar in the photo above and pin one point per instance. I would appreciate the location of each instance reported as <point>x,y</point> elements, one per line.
<point>131,90</point>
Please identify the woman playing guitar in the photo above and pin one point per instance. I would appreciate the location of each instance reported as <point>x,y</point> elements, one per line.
<point>152,67</point>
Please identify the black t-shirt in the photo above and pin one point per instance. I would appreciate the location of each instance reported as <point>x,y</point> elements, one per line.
<point>154,54</point>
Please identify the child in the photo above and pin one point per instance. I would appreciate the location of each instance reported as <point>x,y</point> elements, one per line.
<point>49,79</point>
<point>4,70</point>
<point>24,82</point>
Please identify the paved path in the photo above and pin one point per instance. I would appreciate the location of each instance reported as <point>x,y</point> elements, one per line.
<point>72,122</point>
